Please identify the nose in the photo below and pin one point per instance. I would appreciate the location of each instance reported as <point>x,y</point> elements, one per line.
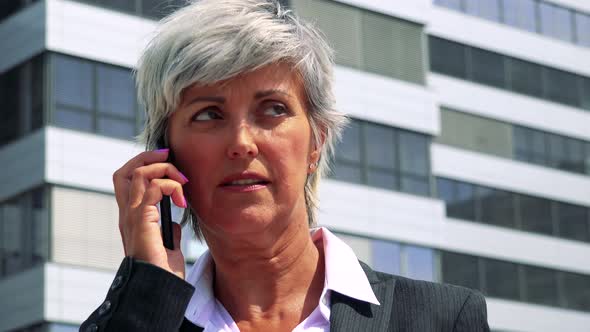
<point>242,144</point>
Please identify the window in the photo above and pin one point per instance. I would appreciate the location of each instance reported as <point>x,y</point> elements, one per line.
<point>447,57</point>
<point>487,67</point>
<point>585,97</point>
<point>520,14</point>
<point>458,269</point>
<point>459,198</point>
<point>573,221</point>
<point>160,8</point>
<point>536,214</point>
<point>94,97</point>
<point>10,109</point>
<point>576,291</point>
<point>582,29</point>
<point>540,285</point>
<point>488,9</point>
<point>530,145</point>
<point>561,86</point>
<point>525,77</point>
<point>574,160</point>
<point>555,21</point>
<point>497,207</point>
<point>501,279</point>
<point>122,5</point>
<point>557,151</point>
<point>386,256</point>
<point>383,157</point>
<point>452,4</point>
<point>420,263</point>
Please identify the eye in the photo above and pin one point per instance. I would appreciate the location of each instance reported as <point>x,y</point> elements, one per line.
<point>275,109</point>
<point>207,115</point>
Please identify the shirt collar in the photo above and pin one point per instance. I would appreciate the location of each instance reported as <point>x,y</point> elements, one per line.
<point>343,274</point>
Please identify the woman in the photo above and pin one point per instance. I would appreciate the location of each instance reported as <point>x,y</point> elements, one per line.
<point>240,91</point>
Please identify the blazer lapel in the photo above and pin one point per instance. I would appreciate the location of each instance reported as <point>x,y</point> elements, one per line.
<point>348,314</point>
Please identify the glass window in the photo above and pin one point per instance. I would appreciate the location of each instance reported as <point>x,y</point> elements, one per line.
<point>122,5</point>
<point>520,14</point>
<point>40,226</point>
<point>386,256</point>
<point>536,214</point>
<point>537,147</point>
<point>556,21</point>
<point>487,67</point>
<point>447,57</point>
<point>445,190</point>
<point>557,151</point>
<point>349,147</point>
<point>526,77</point>
<point>413,153</point>
<point>561,86</point>
<point>574,160</point>
<point>10,109</point>
<point>585,98</point>
<point>452,4</point>
<point>12,236</point>
<point>464,205</point>
<point>521,146</point>
<point>458,269</point>
<point>501,279</point>
<point>72,82</point>
<point>73,119</point>
<point>573,221</point>
<point>116,91</point>
<point>583,29</point>
<point>540,285</point>
<point>124,129</point>
<point>587,157</point>
<point>576,291</point>
<point>382,179</point>
<point>37,90</point>
<point>159,8</point>
<point>415,185</point>
<point>381,146</point>
<point>488,9</point>
<point>497,207</point>
<point>420,263</point>
<point>348,173</point>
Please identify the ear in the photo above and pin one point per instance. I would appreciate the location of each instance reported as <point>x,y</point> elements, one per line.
<point>315,154</point>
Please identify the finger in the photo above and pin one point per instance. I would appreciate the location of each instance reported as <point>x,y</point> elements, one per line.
<point>122,176</point>
<point>144,174</point>
<point>160,187</point>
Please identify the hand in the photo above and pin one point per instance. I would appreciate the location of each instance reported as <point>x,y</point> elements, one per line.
<point>139,186</point>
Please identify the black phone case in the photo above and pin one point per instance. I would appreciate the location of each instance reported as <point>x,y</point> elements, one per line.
<point>165,208</point>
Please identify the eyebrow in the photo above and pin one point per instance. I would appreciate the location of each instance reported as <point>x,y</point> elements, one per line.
<point>221,100</point>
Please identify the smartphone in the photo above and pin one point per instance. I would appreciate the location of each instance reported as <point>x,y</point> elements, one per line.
<point>165,208</point>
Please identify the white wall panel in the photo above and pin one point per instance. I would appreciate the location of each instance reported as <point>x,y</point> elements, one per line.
<point>64,286</point>
<point>393,102</point>
<point>85,229</point>
<point>510,175</point>
<point>84,159</point>
<point>21,299</point>
<point>22,164</point>
<point>581,5</point>
<point>22,35</point>
<point>510,107</point>
<point>507,40</point>
<point>415,10</point>
<point>95,33</point>
<point>517,316</point>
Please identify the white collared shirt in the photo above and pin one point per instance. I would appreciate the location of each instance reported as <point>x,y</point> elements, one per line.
<point>343,274</point>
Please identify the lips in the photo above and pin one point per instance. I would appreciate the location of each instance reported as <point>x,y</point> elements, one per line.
<point>244,179</point>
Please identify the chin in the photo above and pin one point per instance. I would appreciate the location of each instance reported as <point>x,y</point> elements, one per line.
<point>242,221</point>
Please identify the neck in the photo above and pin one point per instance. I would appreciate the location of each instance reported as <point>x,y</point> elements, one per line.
<point>264,279</point>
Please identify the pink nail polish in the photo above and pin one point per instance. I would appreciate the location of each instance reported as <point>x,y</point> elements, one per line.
<point>184,177</point>
<point>184,205</point>
<point>162,150</point>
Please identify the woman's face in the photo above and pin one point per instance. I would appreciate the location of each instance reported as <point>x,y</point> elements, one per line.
<point>245,144</point>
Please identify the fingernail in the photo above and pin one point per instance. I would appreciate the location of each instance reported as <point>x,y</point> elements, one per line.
<point>162,150</point>
<point>183,177</point>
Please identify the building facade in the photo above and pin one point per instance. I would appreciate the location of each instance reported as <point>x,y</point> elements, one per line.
<point>467,159</point>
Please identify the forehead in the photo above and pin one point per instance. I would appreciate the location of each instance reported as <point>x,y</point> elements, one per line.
<point>279,76</point>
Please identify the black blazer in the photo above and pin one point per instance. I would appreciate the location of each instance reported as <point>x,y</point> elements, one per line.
<point>144,297</point>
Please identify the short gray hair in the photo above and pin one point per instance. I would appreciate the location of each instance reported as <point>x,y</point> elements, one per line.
<point>208,41</point>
